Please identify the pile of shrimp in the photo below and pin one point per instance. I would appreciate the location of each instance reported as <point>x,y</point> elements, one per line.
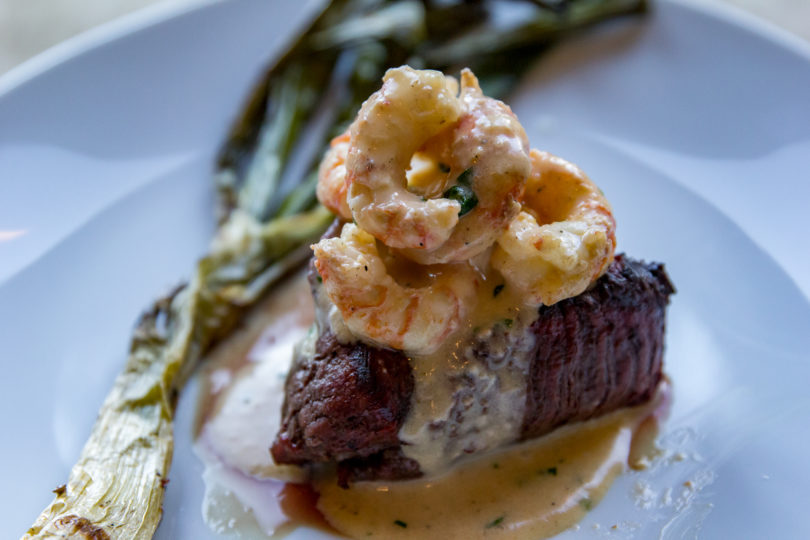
<point>439,174</point>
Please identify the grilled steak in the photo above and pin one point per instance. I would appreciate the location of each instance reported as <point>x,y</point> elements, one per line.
<point>592,354</point>
<point>598,351</point>
<point>346,401</point>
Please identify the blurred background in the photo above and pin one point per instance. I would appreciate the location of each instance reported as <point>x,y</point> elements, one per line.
<point>28,27</point>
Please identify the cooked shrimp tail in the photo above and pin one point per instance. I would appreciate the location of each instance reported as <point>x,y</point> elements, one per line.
<point>564,237</point>
<point>379,310</point>
<point>332,184</point>
<point>477,143</point>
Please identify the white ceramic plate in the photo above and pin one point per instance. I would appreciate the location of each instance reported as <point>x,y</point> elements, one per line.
<point>696,125</point>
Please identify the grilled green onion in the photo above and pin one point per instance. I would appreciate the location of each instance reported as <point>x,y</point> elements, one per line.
<point>115,490</point>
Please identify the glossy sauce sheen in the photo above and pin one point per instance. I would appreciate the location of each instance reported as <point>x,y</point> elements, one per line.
<point>242,389</point>
<point>532,490</point>
<point>462,404</point>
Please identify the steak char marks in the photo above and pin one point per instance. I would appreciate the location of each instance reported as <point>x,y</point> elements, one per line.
<point>601,350</point>
<point>347,401</point>
<point>594,353</point>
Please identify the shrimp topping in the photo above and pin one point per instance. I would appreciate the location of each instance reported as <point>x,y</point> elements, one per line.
<point>331,188</point>
<point>564,237</point>
<point>480,144</point>
<point>439,181</point>
<point>384,312</point>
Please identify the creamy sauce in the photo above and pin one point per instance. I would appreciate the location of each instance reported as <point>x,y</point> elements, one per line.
<point>240,412</point>
<point>466,402</point>
<point>533,490</point>
<point>469,396</point>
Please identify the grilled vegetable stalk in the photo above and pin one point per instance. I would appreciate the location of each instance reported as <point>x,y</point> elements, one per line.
<point>373,35</point>
<point>252,161</point>
<point>115,490</point>
<point>262,139</point>
<point>542,28</point>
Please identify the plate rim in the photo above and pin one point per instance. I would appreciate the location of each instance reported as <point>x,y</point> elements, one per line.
<point>162,11</point>
<point>96,37</point>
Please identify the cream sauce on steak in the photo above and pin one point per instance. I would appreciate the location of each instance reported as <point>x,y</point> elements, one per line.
<point>470,396</point>
<point>531,490</point>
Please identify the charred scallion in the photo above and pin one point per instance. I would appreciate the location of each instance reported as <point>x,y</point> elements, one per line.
<point>115,490</point>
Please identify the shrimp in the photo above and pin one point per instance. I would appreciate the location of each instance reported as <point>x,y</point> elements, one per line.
<point>478,140</point>
<point>564,237</point>
<point>381,311</point>
<point>331,189</point>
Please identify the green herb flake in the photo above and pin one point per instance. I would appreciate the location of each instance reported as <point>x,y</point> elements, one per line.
<point>400,523</point>
<point>552,471</point>
<point>497,290</point>
<point>495,522</point>
<point>586,503</point>
<point>496,465</point>
<point>444,167</point>
<point>508,323</point>
<point>320,279</point>
<point>465,178</point>
<point>464,195</point>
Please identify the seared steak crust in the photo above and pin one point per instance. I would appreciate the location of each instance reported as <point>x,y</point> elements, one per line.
<point>347,401</point>
<point>390,464</point>
<point>598,351</point>
<point>594,353</point>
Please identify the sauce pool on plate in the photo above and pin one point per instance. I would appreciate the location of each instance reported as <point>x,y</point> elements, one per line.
<point>535,489</point>
<point>531,490</point>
